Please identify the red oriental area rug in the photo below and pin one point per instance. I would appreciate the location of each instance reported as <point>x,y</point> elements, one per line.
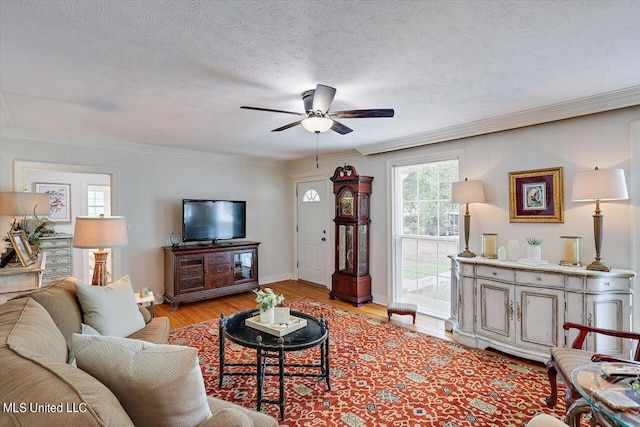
<point>383,375</point>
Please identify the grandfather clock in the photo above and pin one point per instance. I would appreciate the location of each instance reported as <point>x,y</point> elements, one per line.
<point>351,280</point>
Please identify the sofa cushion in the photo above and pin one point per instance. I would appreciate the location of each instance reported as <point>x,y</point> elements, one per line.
<point>228,417</point>
<point>257,418</point>
<point>32,372</point>
<point>156,331</point>
<point>111,309</point>
<point>33,333</point>
<point>156,384</point>
<point>60,300</point>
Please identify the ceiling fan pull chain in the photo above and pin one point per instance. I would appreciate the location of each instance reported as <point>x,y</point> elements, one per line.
<point>317,166</point>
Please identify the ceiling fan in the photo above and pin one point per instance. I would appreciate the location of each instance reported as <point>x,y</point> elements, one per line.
<point>318,119</point>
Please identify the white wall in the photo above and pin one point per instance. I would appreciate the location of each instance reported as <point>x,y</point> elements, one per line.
<point>151,186</point>
<point>578,144</point>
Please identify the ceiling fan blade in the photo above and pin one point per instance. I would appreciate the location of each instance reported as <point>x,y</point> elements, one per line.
<point>340,128</point>
<point>363,114</point>
<point>285,127</point>
<point>323,97</point>
<point>271,110</point>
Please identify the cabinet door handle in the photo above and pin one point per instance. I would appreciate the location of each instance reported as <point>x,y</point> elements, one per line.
<point>589,319</point>
<point>494,273</point>
<point>607,283</point>
<point>219,282</point>
<point>539,279</point>
<point>511,310</point>
<point>459,302</point>
<point>219,270</point>
<point>518,312</point>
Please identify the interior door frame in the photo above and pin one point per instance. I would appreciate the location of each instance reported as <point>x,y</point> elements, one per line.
<point>327,221</point>
<point>20,168</point>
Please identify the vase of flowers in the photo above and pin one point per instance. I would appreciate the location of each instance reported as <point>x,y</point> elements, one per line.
<point>267,300</point>
<point>534,251</point>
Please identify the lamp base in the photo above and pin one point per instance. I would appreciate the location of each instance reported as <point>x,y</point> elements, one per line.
<point>467,254</point>
<point>598,265</point>
<point>100,268</point>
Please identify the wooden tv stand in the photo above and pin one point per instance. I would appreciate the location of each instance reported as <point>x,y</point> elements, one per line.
<point>197,272</point>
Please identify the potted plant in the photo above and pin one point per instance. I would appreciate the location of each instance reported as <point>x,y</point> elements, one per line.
<point>534,251</point>
<point>267,300</point>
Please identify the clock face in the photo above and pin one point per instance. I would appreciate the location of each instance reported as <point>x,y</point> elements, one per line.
<point>346,204</point>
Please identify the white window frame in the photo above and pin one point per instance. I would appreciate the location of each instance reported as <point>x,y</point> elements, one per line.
<point>395,189</point>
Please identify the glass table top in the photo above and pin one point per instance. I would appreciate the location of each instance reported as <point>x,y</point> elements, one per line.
<point>621,379</point>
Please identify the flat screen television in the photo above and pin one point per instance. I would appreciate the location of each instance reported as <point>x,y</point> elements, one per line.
<point>213,220</point>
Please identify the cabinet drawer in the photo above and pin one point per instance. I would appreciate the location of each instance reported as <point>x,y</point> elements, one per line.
<point>220,258</point>
<point>466,269</point>
<point>219,280</point>
<point>56,261</point>
<point>608,284</point>
<point>575,283</point>
<point>56,252</point>
<point>540,279</point>
<point>217,269</point>
<point>494,273</point>
<point>55,243</point>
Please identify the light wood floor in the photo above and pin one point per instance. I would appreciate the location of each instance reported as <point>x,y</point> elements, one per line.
<point>190,313</point>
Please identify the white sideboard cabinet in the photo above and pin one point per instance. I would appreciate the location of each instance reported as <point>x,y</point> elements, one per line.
<point>520,309</point>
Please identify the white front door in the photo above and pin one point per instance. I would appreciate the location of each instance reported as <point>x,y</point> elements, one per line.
<point>312,232</point>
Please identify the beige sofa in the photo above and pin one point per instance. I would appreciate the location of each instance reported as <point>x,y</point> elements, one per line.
<point>39,387</point>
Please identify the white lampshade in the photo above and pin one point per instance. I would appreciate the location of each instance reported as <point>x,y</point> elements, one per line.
<point>100,232</point>
<point>467,192</point>
<point>599,184</point>
<point>317,124</point>
<point>21,203</point>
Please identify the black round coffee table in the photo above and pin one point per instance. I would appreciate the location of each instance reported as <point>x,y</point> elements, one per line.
<point>270,348</point>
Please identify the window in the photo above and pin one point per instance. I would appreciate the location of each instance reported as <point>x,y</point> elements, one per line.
<point>425,231</point>
<point>310,196</point>
<point>97,200</point>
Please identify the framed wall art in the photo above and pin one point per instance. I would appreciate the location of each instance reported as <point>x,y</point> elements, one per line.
<point>21,245</point>
<point>536,196</point>
<point>60,195</point>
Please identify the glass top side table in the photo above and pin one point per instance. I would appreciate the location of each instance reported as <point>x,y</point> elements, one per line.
<point>611,377</point>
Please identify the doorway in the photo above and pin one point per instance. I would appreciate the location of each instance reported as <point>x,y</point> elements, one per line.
<point>92,189</point>
<point>312,233</point>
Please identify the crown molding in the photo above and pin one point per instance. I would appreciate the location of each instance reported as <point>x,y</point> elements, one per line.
<point>580,107</point>
<point>131,147</point>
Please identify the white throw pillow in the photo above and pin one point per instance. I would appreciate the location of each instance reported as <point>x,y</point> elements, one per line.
<point>111,309</point>
<point>86,330</point>
<point>157,384</point>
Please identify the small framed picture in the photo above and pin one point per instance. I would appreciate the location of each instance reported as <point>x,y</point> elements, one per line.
<point>536,196</point>
<point>60,196</point>
<point>21,246</point>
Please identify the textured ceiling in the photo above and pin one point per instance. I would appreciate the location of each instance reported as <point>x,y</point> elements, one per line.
<point>174,73</point>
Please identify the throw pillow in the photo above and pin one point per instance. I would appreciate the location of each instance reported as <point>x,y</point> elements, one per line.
<point>111,309</point>
<point>157,384</point>
<point>86,330</point>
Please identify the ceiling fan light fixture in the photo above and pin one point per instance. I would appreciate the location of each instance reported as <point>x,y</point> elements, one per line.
<point>317,124</point>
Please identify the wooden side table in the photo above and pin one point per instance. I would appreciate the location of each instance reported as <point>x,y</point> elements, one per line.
<point>149,300</point>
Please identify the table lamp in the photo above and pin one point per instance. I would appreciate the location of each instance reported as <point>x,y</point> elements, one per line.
<point>599,185</point>
<point>18,203</point>
<point>100,232</point>
<point>467,192</point>
<point>14,203</point>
